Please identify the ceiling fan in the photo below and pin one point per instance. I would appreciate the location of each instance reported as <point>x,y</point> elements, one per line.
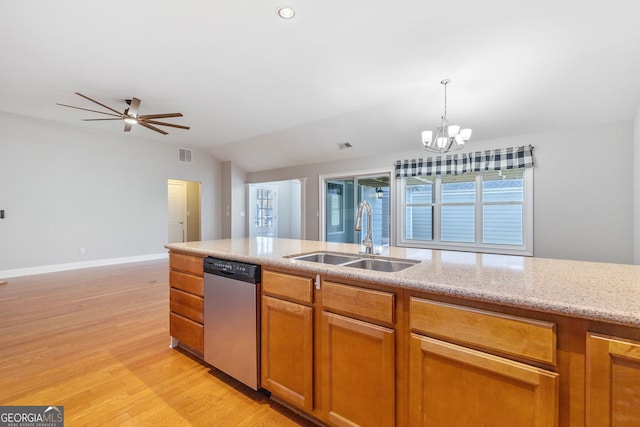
<point>131,116</point>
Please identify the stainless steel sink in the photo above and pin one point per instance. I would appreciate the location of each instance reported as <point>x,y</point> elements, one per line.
<point>326,258</point>
<point>355,261</point>
<point>381,264</point>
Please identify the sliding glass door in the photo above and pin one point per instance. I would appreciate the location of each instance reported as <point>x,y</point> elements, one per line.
<point>342,197</point>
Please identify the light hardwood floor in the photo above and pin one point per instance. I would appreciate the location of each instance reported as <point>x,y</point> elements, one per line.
<point>96,342</point>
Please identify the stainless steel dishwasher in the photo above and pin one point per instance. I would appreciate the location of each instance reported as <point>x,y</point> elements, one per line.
<point>231,318</point>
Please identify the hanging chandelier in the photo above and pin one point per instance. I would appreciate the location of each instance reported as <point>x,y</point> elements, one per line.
<point>447,137</point>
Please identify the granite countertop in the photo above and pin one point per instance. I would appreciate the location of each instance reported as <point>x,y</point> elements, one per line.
<point>590,290</point>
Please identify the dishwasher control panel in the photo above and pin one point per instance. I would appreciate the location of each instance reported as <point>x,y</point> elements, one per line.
<point>232,269</point>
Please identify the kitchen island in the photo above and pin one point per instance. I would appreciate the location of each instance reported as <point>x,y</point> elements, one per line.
<point>555,340</point>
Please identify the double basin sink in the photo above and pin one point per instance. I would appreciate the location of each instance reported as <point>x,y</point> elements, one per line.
<point>350,260</point>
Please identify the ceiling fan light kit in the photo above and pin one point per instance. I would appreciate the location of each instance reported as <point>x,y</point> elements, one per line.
<point>130,115</point>
<point>447,137</point>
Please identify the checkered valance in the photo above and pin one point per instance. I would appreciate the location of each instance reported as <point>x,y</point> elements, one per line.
<point>456,164</point>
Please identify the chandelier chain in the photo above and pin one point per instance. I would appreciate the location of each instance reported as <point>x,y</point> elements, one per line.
<point>444,82</point>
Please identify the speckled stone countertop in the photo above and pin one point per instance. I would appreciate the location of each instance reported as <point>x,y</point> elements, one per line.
<point>590,290</point>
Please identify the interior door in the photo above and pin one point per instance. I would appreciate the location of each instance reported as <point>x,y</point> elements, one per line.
<point>177,210</point>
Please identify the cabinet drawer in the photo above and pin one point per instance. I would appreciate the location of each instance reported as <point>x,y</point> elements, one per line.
<point>359,302</point>
<point>187,305</point>
<point>288,285</point>
<point>187,332</point>
<point>187,282</point>
<point>187,263</point>
<point>518,336</point>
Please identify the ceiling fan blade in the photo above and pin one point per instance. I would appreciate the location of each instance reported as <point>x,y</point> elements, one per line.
<point>96,120</point>
<point>100,104</point>
<point>148,126</point>
<point>134,106</point>
<point>154,122</point>
<point>160,116</point>
<point>93,111</point>
<point>127,126</point>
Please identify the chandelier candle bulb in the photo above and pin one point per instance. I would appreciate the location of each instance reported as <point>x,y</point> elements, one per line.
<point>426,137</point>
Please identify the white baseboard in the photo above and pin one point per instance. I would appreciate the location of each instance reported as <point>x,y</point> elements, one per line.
<point>28,271</point>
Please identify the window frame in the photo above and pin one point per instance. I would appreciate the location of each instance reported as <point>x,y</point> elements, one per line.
<point>357,174</point>
<point>341,227</point>
<point>525,249</point>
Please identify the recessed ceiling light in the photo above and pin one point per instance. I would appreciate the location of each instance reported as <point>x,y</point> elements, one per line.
<point>286,12</point>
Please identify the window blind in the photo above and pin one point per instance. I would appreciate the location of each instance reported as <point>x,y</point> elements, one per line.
<point>457,164</point>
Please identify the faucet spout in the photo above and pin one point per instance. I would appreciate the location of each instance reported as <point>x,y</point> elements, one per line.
<point>368,240</point>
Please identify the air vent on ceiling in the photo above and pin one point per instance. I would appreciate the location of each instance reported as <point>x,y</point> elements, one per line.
<point>184,155</point>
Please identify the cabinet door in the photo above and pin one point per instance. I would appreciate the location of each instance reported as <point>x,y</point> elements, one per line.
<point>358,372</point>
<point>287,351</point>
<point>613,381</point>
<point>450,385</point>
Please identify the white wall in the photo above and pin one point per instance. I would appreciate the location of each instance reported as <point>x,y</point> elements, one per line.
<point>63,189</point>
<point>289,209</point>
<point>636,188</point>
<point>295,209</point>
<point>583,193</point>
<point>238,203</point>
<point>233,213</point>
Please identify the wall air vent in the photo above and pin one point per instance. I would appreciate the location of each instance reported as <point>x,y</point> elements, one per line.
<point>184,155</point>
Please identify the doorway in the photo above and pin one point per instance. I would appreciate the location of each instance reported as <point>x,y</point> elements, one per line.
<point>184,201</point>
<point>276,209</point>
<point>341,197</point>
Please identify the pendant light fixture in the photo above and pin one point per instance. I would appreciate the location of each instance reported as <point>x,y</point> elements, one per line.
<point>447,137</point>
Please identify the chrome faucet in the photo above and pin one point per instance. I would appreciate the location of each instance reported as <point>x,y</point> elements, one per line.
<point>368,240</point>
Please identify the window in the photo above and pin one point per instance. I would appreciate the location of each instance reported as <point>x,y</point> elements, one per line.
<point>488,211</point>
<point>335,207</point>
<point>340,197</point>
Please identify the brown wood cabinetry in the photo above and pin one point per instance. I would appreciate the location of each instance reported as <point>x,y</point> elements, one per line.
<point>351,352</point>
<point>287,338</point>
<point>186,301</point>
<point>358,356</point>
<point>343,370</point>
<point>451,384</point>
<point>612,381</point>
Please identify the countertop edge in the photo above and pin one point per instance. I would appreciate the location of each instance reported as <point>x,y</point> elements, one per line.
<point>543,305</point>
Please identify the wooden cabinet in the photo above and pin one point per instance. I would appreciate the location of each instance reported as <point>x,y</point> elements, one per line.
<point>186,301</point>
<point>612,381</point>
<point>363,353</point>
<point>358,356</point>
<point>453,384</point>
<point>287,338</point>
<point>330,351</point>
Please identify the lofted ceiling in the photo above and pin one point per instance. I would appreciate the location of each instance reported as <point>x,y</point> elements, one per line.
<point>266,93</point>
